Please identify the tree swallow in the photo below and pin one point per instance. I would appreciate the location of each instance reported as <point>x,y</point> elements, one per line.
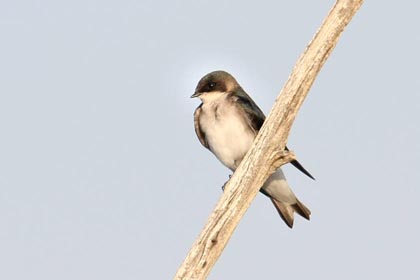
<point>227,122</point>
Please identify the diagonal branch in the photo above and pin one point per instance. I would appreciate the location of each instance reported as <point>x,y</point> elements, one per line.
<point>267,152</point>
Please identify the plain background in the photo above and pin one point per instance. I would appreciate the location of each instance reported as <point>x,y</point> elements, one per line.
<point>102,176</point>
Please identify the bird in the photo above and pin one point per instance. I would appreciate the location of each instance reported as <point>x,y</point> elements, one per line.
<point>226,123</point>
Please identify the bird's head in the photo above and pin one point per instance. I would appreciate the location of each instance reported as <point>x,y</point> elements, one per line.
<point>215,84</point>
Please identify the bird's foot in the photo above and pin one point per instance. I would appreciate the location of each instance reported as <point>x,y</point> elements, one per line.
<point>223,187</point>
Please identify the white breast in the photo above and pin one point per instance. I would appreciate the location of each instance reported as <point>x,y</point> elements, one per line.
<point>227,134</point>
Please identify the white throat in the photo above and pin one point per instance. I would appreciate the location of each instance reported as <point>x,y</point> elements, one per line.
<point>208,97</point>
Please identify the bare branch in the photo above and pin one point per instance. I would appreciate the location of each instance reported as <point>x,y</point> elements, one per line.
<point>266,154</point>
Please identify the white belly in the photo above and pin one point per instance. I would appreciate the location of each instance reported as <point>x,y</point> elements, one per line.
<point>227,134</point>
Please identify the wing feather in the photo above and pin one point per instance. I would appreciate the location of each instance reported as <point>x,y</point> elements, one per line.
<point>255,119</point>
<point>200,133</point>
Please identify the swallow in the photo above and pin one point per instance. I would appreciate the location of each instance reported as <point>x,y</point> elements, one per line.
<point>226,123</point>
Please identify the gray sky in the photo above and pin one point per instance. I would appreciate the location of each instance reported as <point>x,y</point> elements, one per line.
<point>102,176</point>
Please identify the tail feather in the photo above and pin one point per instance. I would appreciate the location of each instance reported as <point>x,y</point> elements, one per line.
<point>286,211</point>
<point>302,210</point>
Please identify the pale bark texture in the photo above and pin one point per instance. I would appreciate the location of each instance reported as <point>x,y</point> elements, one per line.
<point>267,152</point>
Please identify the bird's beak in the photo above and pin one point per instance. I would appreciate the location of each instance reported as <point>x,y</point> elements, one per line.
<point>196,94</point>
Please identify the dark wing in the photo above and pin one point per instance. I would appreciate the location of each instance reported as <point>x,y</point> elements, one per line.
<point>254,116</point>
<point>200,134</point>
<point>300,167</point>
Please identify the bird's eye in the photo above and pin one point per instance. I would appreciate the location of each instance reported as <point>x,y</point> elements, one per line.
<point>212,84</point>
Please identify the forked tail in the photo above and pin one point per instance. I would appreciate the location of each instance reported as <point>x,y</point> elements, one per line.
<point>287,211</point>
